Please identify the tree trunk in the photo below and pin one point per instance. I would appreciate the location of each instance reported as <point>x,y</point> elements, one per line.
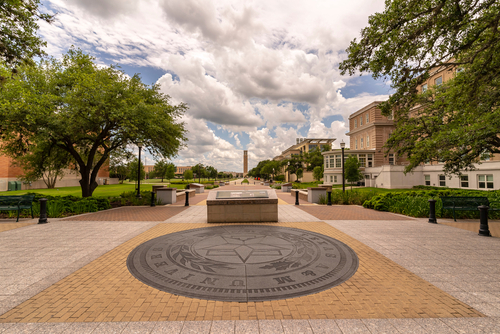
<point>87,185</point>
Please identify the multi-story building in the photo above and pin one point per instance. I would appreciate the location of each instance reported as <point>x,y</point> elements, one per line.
<point>11,173</point>
<point>302,145</point>
<point>369,131</point>
<point>179,170</point>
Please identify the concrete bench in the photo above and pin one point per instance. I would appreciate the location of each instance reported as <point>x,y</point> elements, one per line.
<point>314,194</point>
<point>328,187</point>
<point>200,188</point>
<point>286,187</point>
<point>166,195</point>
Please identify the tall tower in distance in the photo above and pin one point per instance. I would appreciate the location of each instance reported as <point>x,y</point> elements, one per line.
<point>245,162</point>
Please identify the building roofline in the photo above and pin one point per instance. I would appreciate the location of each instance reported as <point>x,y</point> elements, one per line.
<point>365,108</point>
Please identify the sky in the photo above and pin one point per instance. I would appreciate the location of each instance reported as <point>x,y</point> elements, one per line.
<point>255,74</point>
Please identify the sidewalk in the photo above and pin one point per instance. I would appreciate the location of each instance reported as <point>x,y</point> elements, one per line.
<point>70,276</point>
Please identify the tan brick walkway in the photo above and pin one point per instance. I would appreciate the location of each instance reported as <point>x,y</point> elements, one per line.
<point>349,212</point>
<point>11,226</point>
<point>473,226</point>
<point>131,213</point>
<point>104,290</point>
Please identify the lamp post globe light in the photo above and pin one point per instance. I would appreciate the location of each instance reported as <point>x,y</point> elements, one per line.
<point>342,146</point>
<point>139,145</point>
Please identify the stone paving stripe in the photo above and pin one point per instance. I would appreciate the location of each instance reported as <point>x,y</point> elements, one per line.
<point>494,227</point>
<point>349,212</point>
<point>10,226</point>
<point>104,291</point>
<point>130,213</point>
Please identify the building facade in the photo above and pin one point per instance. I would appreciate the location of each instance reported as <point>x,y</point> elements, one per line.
<point>369,130</point>
<point>302,145</point>
<point>11,173</point>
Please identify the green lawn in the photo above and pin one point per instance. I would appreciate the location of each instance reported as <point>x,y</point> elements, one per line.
<point>112,190</point>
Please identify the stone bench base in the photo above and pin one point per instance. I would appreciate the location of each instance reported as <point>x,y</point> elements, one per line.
<point>242,209</point>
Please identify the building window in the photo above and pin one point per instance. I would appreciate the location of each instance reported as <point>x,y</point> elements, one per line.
<point>485,181</point>
<point>335,179</point>
<point>370,160</point>
<point>356,144</point>
<point>367,141</point>
<point>362,160</point>
<point>367,118</point>
<point>338,161</point>
<point>326,162</point>
<point>361,121</point>
<point>442,181</point>
<point>438,81</point>
<point>427,179</point>
<point>424,88</point>
<point>391,159</point>
<point>361,142</point>
<point>464,181</point>
<point>391,116</point>
<point>356,123</point>
<point>367,176</point>
<point>332,161</point>
<point>331,178</point>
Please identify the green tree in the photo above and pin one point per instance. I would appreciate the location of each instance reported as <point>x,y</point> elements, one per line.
<point>212,172</point>
<point>119,161</point>
<point>299,173</point>
<point>318,173</point>
<point>132,168</point>
<point>294,164</point>
<point>160,169</point>
<point>188,174</point>
<point>49,168</point>
<point>412,39</point>
<point>19,42</point>
<point>170,171</point>
<point>314,158</point>
<point>86,110</point>
<point>199,171</point>
<point>352,172</point>
<point>271,168</point>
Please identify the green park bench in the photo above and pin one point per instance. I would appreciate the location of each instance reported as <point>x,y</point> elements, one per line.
<point>17,203</point>
<point>456,203</point>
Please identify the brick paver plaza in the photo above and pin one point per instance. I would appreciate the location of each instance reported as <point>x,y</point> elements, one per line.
<point>71,276</point>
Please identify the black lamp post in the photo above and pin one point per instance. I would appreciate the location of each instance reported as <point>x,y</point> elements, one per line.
<point>139,145</point>
<point>342,146</point>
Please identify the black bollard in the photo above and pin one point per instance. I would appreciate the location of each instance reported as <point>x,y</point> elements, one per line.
<point>187,196</point>
<point>297,197</point>
<point>432,211</point>
<point>484,230</point>
<point>43,211</point>
<point>329,198</point>
<point>153,198</point>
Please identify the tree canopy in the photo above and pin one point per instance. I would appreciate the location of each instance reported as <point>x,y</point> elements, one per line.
<point>163,169</point>
<point>457,121</point>
<point>19,42</point>
<point>352,172</point>
<point>133,169</point>
<point>86,110</point>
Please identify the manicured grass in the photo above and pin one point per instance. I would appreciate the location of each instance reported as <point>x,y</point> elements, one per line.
<point>112,190</point>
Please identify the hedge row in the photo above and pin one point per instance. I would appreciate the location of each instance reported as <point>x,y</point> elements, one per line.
<point>415,203</point>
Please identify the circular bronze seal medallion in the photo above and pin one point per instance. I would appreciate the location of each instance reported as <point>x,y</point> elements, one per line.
<point>243,263</point>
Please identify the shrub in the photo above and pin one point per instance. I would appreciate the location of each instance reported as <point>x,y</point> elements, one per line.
<point>415,202</point>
